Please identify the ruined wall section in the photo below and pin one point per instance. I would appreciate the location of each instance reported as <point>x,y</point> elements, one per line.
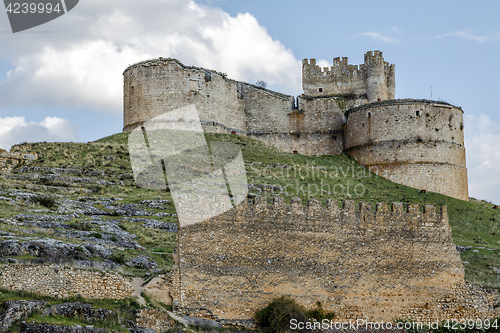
<point>417,143</point>
<point>374,79</point>
<point>386,263</point>
<point>310,125</point>
<point>152,88</point>
<point>155,87</point>
<point>14,158</point>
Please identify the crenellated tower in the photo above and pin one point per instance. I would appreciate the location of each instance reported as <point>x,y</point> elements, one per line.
<point>374,79</point>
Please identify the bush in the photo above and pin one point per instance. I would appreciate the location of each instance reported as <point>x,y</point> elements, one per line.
<point>81,226</point>
<point>119,258</point>
<point>96,189</point>
<point>319,314</point>
<point>275,317</point>
<point>44,201</point>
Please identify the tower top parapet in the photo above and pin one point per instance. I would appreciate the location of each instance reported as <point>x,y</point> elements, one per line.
<point>375,78</point>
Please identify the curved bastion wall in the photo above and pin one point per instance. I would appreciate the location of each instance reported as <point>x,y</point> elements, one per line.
<point>417,143</point>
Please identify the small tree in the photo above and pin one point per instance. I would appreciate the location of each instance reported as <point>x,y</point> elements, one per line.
<point>261,84</point>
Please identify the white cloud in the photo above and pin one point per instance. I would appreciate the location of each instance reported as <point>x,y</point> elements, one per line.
<point>482,144</point>
<point>468,34</point>
<point>14,130</point>
<point>377,37</point>
<point>322,63</point>
<point>81,64</point>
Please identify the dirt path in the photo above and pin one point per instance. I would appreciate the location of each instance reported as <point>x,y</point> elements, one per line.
<point>137,285</point>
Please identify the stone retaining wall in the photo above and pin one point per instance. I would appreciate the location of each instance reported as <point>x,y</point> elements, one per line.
<point>63,282</point>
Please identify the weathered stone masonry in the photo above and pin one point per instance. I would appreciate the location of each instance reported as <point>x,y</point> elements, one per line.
<point>388,263</point>
<point>12,159</point>
<point>375,78</point>
<point>415,143</point>
<point>62,282</point>
<point>316,123</point>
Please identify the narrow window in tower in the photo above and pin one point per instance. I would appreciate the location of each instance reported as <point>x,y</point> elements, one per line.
<point>369,114</point>
<point>320,89</point>
<point>418,113</point>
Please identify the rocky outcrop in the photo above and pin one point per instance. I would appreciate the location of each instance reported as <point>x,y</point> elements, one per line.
<point>8,161</point>
<point>81,310</point>
<point>18,310</point>
<point>15,310</point>
<point>47,328</point>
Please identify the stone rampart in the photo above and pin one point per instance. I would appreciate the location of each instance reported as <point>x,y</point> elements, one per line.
<point>63,282</point>
<point>395,261</point>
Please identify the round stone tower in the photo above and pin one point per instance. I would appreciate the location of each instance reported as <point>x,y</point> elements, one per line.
<point>376,79</point>
<point>417,143</point>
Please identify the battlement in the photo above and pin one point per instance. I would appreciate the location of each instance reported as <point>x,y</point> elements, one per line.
<point>375,78</point>
<point>331,206</point>
<point>338,218</point>
<point>317,216</point>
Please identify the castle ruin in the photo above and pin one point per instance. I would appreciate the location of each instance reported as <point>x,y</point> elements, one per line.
<point>344,109</point>
<point>385,262</point>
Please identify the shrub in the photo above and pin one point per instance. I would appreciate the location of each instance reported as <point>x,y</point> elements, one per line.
<point>275,317</point>
<point>45,201</point>
<point>319,314</point>
<point>119,258</point>
<point>96,189</point>
<point>81,226</point>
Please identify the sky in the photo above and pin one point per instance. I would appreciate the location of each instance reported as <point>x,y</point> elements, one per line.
<point>62,81</point>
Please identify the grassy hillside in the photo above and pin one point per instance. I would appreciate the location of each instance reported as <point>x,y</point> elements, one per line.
<point>270,172</point>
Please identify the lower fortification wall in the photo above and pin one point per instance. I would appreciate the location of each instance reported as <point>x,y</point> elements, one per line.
<point>62,282</point>
<point>393,262</point>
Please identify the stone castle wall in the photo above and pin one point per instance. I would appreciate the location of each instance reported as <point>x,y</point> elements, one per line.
<point>375,78</point>
<point>63,282</point>
<point>383,264</point>
<point>310,125</point>
<point>411,142</point>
